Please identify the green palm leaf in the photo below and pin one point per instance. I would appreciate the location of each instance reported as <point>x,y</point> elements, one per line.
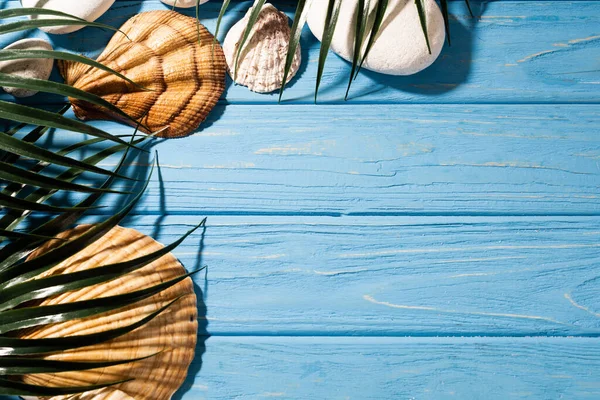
<point>21,204</point>
<point>61,55</point>
<point>30,115</point>
<point>24,149</point>
<point>469,7</point>
<point>15,388</point>
<point>15,346</point>
<point>361,26</point>
<point>19,366</point>
<point>26,188</point>
<point>254,14</point>
<point>423,20</point>
<point>333,11</point>
<point>380,10</point>
<point>41,288</point>
<point>295,33</point>
<point>67,19</point>
<point>221,14</point>
<point>7,80</point>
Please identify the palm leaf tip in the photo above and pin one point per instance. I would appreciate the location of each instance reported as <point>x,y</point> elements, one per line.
<point>423,20</point>
<point>361,24</point>
<point>254,14</point>
<point>331,18</point>
<point>295,34</point>
<point>380,11</point>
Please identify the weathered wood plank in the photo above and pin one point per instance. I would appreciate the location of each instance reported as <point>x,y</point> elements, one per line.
<point>396,368</point>
<point>517,51</point>
<point>395,276</point>
<point>383,160</point>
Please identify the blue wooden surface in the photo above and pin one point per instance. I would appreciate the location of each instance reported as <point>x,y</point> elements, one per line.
<point>437,236</point>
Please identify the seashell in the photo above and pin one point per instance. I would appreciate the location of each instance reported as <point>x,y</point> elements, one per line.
<point>90,10</point>
<point>399,48</point>
<point>185,78</point>
<point>183,3</point>
<point>39,68</point>
<point>262,61</point>
<point>172,334</point>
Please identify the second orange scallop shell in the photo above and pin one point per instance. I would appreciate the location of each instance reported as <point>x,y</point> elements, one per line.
<point>166,52</point>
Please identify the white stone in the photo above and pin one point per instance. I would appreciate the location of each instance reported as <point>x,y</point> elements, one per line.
<point>183,3</point>
<point>400,47</point>
<point>90,10</point>
<point>38,68</point>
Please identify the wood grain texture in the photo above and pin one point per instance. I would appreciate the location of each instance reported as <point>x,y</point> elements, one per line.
<point>458,207</point>
<point>394,276</point>
<point>379,160</point>
<point>515,52</point>
<point>397,368</point>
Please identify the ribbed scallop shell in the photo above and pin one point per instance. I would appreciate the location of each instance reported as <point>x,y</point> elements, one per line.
<point>172,334</point>
<point>262,61</point>
<point>163,54</point>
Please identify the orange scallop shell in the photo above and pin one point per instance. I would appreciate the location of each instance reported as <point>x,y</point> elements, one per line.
<point>171,335</point>
<point>164,51</point>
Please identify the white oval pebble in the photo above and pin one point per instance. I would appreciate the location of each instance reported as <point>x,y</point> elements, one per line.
<point>400,47</point>
<point>90,10</point>
<point>38,68</point>
<point>183,3</point>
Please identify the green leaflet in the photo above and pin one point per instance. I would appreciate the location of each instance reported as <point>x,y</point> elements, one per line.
<point>34,11</point>
<point>22,235</point>
<point>15,346</point>
<point>21,204</point>
<point>295,33</point>
<point>56,284</point>
<point>31,137</point>
<point>12,220</point>
<point>21,318</point>
<point>469,7</point>
<point>15,388</point>
<point>19,366</point>
<point>361,25</point>
<point>60,89</point>
<point>40,23</point>
<point>14,252</point>
<point>256,8</point>
<point>423,20</point>
<point>11,173</point>
<point>19,273</point>
<point>221,13</point>
<point>35,116</point>
<point>61,55</point>
<point>379,14</point>
<point>25,149</point>
<point>333,11</point>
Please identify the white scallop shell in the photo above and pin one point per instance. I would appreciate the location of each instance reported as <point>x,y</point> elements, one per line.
<point>183,3</point>
<point>262,61</point>
<point>38,68</point>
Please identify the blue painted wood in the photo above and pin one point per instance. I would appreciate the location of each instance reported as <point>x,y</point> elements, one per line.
<point>397,368</point>
<point>337,230</point>
<point>379,160</point>
<point>392,276</point>
<point>516,52</point>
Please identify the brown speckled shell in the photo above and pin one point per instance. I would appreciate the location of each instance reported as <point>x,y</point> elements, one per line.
<point>186,74</point>
<point>172,334</point>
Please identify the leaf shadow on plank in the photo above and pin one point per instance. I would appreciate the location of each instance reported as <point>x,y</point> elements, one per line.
<point>203,335</point>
